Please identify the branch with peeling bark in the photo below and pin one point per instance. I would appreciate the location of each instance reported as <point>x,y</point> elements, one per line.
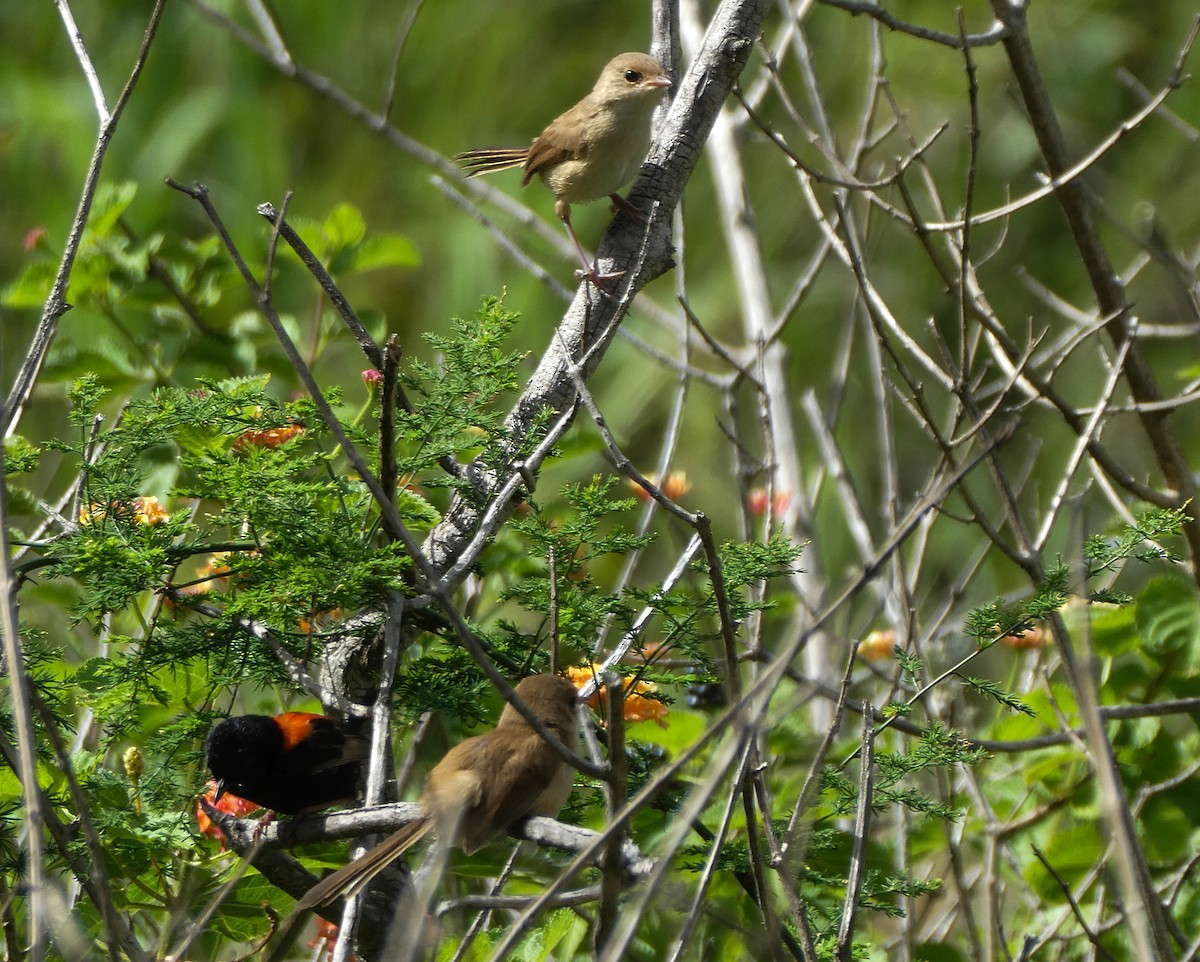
<point>265,845</point>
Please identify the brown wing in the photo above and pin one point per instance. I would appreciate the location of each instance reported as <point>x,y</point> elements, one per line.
<point>564,139</point>
<point>518,777</point>
<point>454,789</point>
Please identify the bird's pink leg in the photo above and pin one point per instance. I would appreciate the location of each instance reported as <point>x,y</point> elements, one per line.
<point>589,270</point>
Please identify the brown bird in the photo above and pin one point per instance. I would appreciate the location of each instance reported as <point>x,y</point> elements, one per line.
<point>593,149</point>
<point>483,786</point>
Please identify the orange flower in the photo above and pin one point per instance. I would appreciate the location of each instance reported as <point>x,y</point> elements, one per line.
<point>149,511</point>
<point>144,510</point>
<point>1034,637</point>
<point>638,707</point>
<point>320,619</point>
<point>878,645</point>
<point>326,938</point>
<point>238,807</point>
<point>779,502</point>
<point>674,487</point>
<point>217,565</point>
<point>270,438</point>
<point>212,574</point>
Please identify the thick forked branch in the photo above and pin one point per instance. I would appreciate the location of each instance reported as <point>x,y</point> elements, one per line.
<point>643,250</point>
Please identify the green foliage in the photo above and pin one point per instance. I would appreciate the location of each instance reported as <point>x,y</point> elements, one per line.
<point>20,456</point>
<point>455,414</point>
<point>344,245</point>
<point>258,527</point>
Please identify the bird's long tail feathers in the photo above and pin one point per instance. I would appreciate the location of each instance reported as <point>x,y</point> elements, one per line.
<point>355,876</point>
<point>488,160</point>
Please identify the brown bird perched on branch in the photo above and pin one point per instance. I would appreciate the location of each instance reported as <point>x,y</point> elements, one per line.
<point>482,786</point>
<point>593,149</point>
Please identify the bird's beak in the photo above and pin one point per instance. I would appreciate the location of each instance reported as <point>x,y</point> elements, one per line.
<point>219,792</point>
<point>659,81</point>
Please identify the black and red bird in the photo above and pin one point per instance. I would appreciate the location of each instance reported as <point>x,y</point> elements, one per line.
<point>290,763</point>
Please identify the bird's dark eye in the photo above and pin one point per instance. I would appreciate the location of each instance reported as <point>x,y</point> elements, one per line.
<point>632,76</point>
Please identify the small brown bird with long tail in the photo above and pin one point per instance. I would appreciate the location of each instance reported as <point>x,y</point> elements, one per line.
<point>593,149</point>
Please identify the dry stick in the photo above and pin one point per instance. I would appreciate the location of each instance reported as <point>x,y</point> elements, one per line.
<point>310,260</point>
<point>552,564</point>
<point>1020,555</point>
<point>388,473</point>
<point>1059,500</point>
<point>646,614</point>
<point>611,882</point>
<point>25,765</point>
<point>1110,295</point>
<point>1037,384</point>
<point>1071,901</point>
<point>428,582</point>
<point>716,844</point>
<point>381,360</point>
<point>1070,175</point>
<point>748,714</point>
<point>830,180</point>
<point>119,936</point>
<point>964,253</point>
<point>753,294</point>
<point>64,837</point>
<point>380,755</point>
<point>874,10</point>
<point>858,857</point>
<point>670,438</point>
<point>492,903</point>
<point>410,19</point>
<point>791,852</point>
<point>481,920</point>
<point>762,686</point>
<point>703,527</point>
<point>802,951</point>
<point>264,17</point>
<point>1146,916</point>
<point>56,304</point>
<point>750,274</point>
<point>754,773</point>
